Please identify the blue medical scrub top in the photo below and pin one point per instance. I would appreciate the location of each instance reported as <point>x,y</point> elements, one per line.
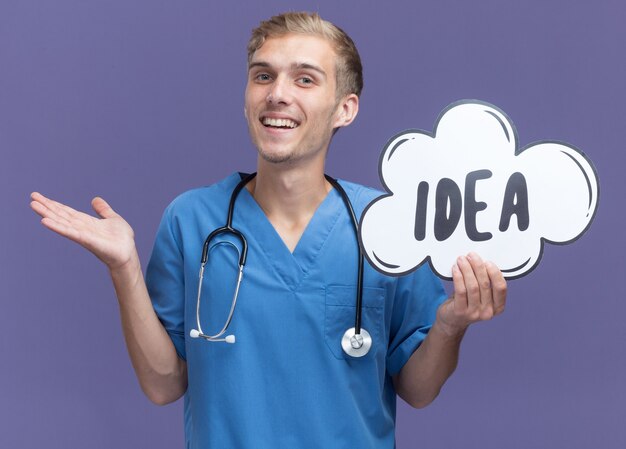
<point>286,381</point>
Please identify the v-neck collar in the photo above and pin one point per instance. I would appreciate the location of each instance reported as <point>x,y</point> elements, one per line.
<point>291,267</point>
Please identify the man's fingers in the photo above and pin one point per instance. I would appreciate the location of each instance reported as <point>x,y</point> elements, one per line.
<point>102,208</point>
<point>460,293</point>
<point>498,287</point>
<point>45,212</point>
<point>470,282</point>
<point>479,293</point>
<point>481,285</point>
<point>60,210</point>
<point>61,229</point>
<point>38,204</point>
<point>39,208</point>
<point>111,240</point>
<point>484,285</point>
<point>62,219</point>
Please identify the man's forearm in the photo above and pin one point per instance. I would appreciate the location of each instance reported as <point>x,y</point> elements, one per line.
<point>161,373</point>
<point>422,377</point>
<point>479,295</point>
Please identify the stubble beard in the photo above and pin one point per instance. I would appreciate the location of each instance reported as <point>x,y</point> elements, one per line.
<point>293,155</point>
<point>274,158</point>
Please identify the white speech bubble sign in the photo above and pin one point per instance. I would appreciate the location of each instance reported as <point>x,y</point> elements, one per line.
<point>468,187</point>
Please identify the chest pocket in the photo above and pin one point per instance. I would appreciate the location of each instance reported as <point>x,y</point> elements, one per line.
<point>340,312</point>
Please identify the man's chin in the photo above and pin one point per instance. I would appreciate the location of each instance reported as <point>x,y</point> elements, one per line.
<point>275,158</point>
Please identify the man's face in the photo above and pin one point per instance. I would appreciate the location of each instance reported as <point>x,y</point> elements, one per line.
<point>290,103</point>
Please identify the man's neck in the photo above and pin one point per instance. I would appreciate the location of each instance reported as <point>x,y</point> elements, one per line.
<point>289,196</point>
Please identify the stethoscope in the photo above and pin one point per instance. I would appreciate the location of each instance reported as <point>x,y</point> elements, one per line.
<point>356,341</point>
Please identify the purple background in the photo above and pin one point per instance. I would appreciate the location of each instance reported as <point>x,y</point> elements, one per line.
<point>138,101</point>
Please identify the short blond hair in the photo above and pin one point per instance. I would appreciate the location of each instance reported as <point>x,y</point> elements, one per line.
<point>349,71</point>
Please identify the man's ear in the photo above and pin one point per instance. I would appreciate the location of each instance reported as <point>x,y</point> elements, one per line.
<point>347,110</point>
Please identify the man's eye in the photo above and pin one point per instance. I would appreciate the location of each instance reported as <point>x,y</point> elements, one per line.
<point>305,80</point>
<point>262,77</point>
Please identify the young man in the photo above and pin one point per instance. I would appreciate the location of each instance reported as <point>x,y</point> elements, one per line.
<point>286,382</point>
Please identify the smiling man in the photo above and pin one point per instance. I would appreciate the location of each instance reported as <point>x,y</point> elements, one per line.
<point>287,381</point>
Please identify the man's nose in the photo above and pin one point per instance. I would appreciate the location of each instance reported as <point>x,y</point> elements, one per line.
<point>279,92</point>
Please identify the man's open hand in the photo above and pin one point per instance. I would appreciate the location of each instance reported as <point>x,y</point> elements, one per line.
<point>110,238</point>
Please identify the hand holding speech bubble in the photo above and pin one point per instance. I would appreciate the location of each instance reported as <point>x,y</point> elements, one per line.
<point>467,187</point>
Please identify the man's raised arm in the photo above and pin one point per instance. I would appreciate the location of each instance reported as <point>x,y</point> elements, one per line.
<point>479,295</point>
<point>161,373</point>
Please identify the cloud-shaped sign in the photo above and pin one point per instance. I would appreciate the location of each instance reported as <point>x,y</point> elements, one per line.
<point>467,187</point>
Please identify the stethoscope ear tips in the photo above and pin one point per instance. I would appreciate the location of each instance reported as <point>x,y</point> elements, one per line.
<point>195,333</point>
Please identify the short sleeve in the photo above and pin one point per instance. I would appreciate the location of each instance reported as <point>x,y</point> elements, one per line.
<point>418,296</point>
<point>165,281</point>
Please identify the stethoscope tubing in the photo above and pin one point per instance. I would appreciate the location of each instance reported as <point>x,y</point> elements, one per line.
<point>228,229</point>
<point>355,223</point>
<point>356,342</point>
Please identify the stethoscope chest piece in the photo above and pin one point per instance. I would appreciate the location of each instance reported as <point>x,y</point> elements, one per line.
<point>356,345</point>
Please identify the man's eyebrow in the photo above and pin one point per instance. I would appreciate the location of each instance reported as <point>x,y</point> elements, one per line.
<point>306,66</point>
<point>258,64</point>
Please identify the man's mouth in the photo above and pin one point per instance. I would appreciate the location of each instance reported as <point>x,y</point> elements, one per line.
<point>283,123</point>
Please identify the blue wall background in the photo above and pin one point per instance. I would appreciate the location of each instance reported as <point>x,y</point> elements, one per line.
<point>138,101</point>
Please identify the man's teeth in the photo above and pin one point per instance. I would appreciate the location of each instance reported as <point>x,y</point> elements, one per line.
<point>279,122</point>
